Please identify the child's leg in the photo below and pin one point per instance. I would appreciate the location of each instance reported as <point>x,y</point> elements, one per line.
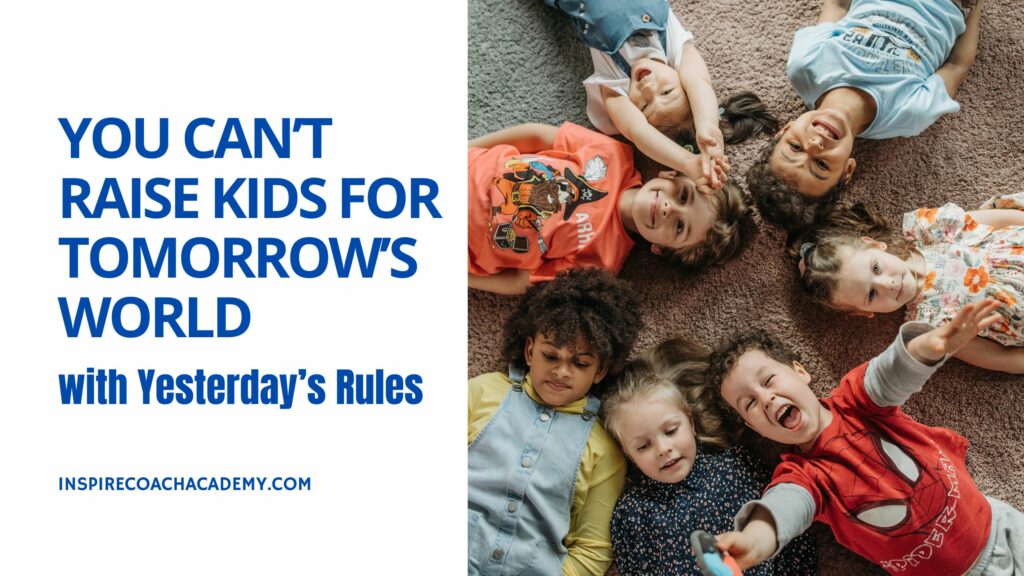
<point>605,24</point>
<point>1006,556</point>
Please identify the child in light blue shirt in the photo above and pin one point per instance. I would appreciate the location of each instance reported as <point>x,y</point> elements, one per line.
<point>879,69</point>
<point>892,51</point>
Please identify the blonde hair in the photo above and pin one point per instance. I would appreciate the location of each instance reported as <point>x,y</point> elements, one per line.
<point>676,368</point>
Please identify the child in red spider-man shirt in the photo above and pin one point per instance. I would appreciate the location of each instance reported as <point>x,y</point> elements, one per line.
<point>893,490</point>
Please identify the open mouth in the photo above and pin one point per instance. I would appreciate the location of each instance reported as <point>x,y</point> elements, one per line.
<point>788,416</point>
<point>829,130</point>
<point>654,206</point>
<point>671,463</point>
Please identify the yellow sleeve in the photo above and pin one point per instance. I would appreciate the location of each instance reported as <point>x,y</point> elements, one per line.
<point>598,485</point>
<point>486,392</point>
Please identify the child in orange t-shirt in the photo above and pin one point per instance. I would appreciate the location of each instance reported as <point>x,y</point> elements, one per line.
<point>545,198</point>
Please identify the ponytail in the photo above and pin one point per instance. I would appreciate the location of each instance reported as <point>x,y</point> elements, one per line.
<point>743,116</point>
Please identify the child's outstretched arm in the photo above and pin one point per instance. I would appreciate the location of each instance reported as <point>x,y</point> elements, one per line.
<point>990,355</point>
<point>767,525</point>
<point>833,10</point>
<point>755,543</point>
<point>696,81</point>
<point>903,368</point>
<point>961,57</point>
<point>526,138</point>
<point>934,345</point>
<point>510,281</point>
<point>998,218</point>
<point>632,123</point>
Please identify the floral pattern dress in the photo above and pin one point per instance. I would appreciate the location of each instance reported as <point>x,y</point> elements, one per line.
<point>967,262</point>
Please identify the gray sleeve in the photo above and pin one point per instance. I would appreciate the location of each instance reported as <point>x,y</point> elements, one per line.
<point>791,507</point>
<point>894,375</point>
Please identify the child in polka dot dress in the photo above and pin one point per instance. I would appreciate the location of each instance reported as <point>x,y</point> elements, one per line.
<point>683,475</point>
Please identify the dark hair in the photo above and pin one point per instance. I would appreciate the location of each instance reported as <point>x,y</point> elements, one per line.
<point>728,352</point>
<point>819,264</point>
<point>743,116</point>
<point>727,236</point>
<point>677,369</point>
<point>587,302</point>
<point>782,204</point>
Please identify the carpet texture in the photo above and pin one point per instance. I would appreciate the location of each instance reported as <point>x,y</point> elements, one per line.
<point>526,65</point>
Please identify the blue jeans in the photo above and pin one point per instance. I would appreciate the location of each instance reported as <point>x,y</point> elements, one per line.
<point>606,24</point>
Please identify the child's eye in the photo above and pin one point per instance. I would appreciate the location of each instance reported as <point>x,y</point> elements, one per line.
<point>875,268</point>
<point>671,431</point>
<point>550,357</point>
<point>582,365</point>
<point>680,227</point>
<point>768,382</point>
<point>871,295</point>
<point>822,164</point>
<point>750,404</point>
<point>794,146</point>
<point>667,92</point>
<point>643,447</point>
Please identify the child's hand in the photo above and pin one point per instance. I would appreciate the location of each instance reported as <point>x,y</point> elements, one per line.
<point>743,548</point>
<point>714,163</point>
<point>949,338</point>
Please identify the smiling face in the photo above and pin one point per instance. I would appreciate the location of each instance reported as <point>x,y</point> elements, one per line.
<point>871,280</point>
<point>658,437</point>
<point>775,399</point>
<point>813,152</point>
<point>671,213</point>
<point>656,90</point>
<point>562,375</point>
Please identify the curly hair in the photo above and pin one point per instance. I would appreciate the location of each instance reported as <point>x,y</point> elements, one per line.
<point>726,238</point>
<point>675,369</point>
<point>816,250</point>
<point>581,302</point>
<point>725,355</point>
<point>782,204</point>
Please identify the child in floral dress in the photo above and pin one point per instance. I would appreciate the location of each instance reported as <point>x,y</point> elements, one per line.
<point>953,257</point>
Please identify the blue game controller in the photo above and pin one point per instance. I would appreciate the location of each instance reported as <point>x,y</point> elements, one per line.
<point>712,562</point>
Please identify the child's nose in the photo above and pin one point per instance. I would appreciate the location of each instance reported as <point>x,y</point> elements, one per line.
<point>668,207</point>
<point>663,447</point>
<point>563,370</point>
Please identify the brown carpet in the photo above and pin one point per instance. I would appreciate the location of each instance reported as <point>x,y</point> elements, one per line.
<point>526,65</point>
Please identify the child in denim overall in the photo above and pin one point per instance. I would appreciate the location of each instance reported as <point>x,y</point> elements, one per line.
<point>543,473</point>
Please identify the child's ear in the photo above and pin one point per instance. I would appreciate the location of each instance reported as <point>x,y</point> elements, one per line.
<point>668,174</point>
<point>783,129</point>
<point>872,242</point>
<point>656,249</point>
<point>601,373</point>
<point>862,314</point>
<point>851,165</point>
<point>528,349</point>
<point>802,372</point>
